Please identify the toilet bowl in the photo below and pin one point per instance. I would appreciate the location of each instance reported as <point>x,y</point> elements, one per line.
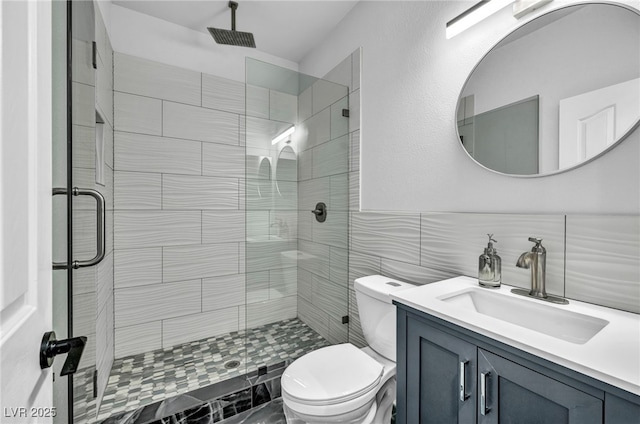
<point>345,384</point>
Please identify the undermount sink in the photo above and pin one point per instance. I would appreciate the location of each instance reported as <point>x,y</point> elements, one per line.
<point>565,325</point>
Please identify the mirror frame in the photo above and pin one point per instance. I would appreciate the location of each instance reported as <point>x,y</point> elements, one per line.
<point>630,131</point>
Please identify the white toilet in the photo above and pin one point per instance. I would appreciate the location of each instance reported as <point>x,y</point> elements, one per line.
<point>344,384</point>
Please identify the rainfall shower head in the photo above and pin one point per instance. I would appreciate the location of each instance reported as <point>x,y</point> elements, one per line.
<point>232,37</point>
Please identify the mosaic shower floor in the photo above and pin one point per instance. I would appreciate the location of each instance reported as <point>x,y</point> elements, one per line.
<point>139,380</point>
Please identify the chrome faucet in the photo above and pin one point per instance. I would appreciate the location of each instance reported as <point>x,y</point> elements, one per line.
<point>536,260</point>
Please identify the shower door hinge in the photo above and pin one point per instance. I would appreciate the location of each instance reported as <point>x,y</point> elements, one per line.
<point>95,384</point>
<point>94,55</point>
<point>345,113</point>
<point>345,319</point>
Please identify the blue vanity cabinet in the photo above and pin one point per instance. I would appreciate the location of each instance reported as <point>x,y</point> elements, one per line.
<point>515,394</point>
<point>441,376</point>
<point>438,361</point>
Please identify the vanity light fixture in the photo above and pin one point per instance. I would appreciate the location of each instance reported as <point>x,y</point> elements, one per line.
<point>522,7</point>
<point>473,15</point>
<point>284,134</point>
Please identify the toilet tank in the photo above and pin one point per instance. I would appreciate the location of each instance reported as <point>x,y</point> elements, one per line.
<point>377,313</point>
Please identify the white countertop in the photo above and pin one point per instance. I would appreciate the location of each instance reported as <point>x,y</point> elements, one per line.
<point>612,355</point>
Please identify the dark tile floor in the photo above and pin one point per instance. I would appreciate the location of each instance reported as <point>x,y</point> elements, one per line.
<point>153,377</point>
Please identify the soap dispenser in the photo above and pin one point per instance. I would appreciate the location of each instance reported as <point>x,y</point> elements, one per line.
<point>490,266</point>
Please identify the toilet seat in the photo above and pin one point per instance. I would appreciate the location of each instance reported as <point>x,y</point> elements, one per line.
<point>331,375</point>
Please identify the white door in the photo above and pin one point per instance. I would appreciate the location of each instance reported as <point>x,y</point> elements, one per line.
<point>25,209</point>
<point>592,122</point>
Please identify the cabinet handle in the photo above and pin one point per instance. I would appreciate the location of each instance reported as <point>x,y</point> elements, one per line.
<point>463,381</point>
<point>483,393</point>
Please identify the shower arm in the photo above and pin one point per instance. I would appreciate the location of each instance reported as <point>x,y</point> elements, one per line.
<point>234,6</point>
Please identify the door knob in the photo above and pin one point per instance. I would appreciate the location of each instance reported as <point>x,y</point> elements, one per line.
<point>50,347</point>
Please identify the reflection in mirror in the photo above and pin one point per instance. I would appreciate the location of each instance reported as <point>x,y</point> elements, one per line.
<point>555,93</point>
<point>286,168</point>
<point>264,178</point>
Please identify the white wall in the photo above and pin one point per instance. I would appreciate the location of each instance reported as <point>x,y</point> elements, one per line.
<point>411,159</point>
<point>146,37</point>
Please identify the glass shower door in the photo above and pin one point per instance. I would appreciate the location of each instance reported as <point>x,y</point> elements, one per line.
<point>296,261</point>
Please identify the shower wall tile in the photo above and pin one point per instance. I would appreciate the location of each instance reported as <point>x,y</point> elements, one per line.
<point>305,284</point>
<point>315,258</point>
<point>610,239</point>
<point>222,160</point>
<point>257,224</point>
<point>257,101</point>
<point>339,123</point>
<point>83,102</point>
<point>453,241</point>
<point>137,190</point>
<point>104,280</point>
<point>305,225</point>
<point>84,147</point>
<point>85,313</point>
<point>317,128</point>
<point>361,265</point>
<point>269,311</point>
<point>153,79</point>
<point>137,339</point>
<point>138,305</point>
<point>339,265</point>
<point>305,107</point>
<point>199,326</point>
<point>331,158</point>
<point>325,93</point>
<point>135,229</point>
<point>222,226</point>
<point>199,261</point>
<point>354,191</point>
<point>265,255</point>
<point>338,332</point>
<point>137,114</point>
<point>257,286</point>
<point>81,69</point>
<point>222,94</point>
<point>330,297</point>
<point>305,161</point>
<point>145,153</point>
<point>137,267</point>
<point>283,282</point>
<point>223,292</point>
<point>196,123</point>
<point>339,199</point>
<point>333,231</point>
<point>313,316</point>
<point>284,224</point>
<point>313,191</point>
<point>193,192</point>
<point>392,236</point>
<point>283,107</point>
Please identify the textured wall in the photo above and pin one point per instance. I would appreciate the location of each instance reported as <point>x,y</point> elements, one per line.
<point>411,158</point>
<point>591,258</point>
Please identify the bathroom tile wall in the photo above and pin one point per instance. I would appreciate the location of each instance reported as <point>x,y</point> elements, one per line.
<point>323,173</point>
<point>170,203</point>
<point>93,286</point>
<point>591,258</point>
<point>180,209</point>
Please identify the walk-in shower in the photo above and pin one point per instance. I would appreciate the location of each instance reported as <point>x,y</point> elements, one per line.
<point>215,267</point>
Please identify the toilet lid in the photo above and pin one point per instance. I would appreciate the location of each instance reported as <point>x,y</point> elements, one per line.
<point>331,375</point>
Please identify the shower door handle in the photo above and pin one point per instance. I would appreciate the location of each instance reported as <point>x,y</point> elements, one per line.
<point>100,228</point>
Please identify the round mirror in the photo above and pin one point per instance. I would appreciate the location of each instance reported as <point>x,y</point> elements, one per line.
<point>264,178</point>
<point>286,169</point>
<point>555,93</point>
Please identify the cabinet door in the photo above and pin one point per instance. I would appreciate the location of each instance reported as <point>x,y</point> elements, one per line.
<point>441,377</point>
<point>514,394</point>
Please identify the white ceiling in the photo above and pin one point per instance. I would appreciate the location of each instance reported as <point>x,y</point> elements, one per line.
<point>287,29</point>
